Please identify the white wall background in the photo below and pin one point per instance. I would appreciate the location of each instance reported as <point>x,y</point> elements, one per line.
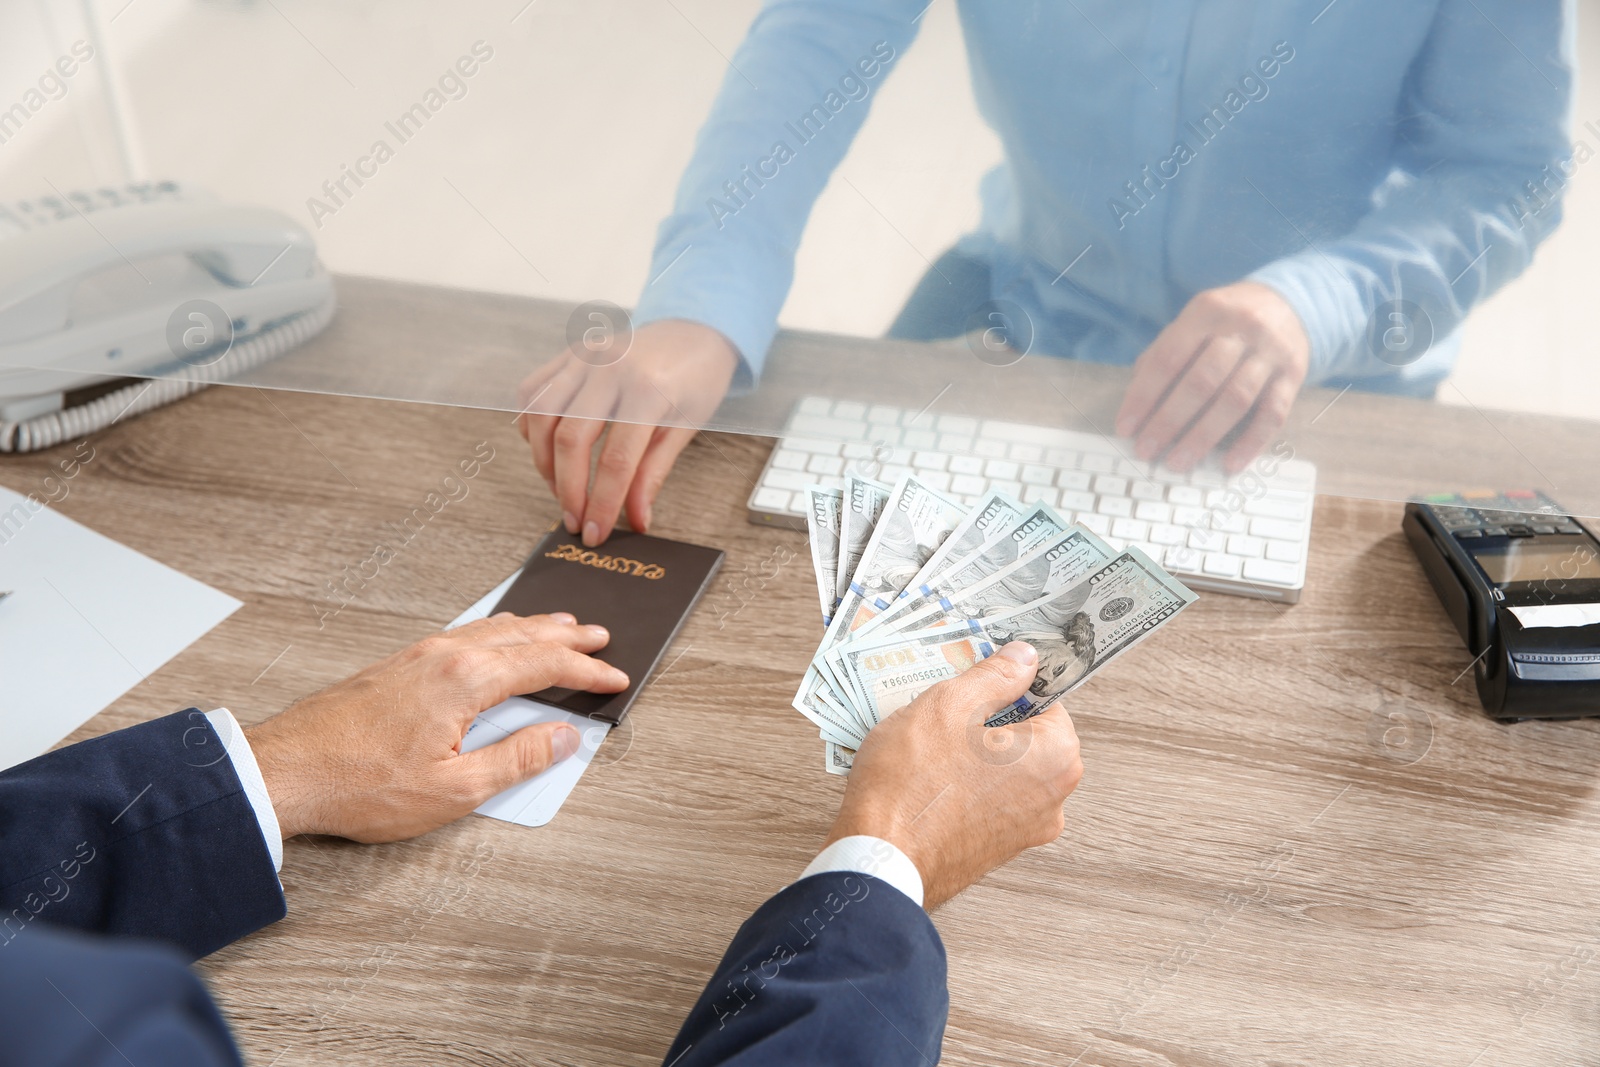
<point>548,178</point>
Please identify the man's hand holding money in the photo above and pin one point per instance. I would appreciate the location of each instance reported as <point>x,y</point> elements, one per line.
<point>957,797</point>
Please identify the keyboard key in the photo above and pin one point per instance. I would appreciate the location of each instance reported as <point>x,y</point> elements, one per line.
<point>989,448</point>
<point>929,461</point>
<point>1206,540</point>
<point>1078,480</point>
<point>883,413</point>
<point>812,444</point>
<point>969,483</point>
<point>1131,529</point>
<point>1194,518</point>
<point>893,472</point>
<point>1167,534</point>
<point>883,434</point>
<point>815,405</point>
<point>1245,545</point>
<point>955,442</point>
<point>1284,551</point>
<point>1151,511</point>
<point>1208,476</point>
<point>1295,474</point>
<point>849,409</point>
<point>958,424</point>
<point>1272,508</point>
<point>1098,461</point>
<point>820,426</point>
<point>1132,468</point>
<point>1278,529</point>
<point>919,439</point>
<point>1234,524</point>
<point>1034,474</point>
<point>938,481</point>
<point>1183,560</point>
<point>790,480</point>
<point>966,465</point>
<point>1187,495</point>
<point>800,502</point>
<point>1266,570</point>
<point>787,459</point>
<point>1112,485</point>
<point>1155,552</point>
<point>1002,468</point>
<point>1041,494</point>
<point>1023,452</point>
<point>1217,498</point>
<point>1097,523</point>
<point>1061,457</point>
<point>771,498</point>
<point>1017,431</point>
<point>1221,565</point>
<point>1143,489</point>
<point>856,450</point>
<point>1076,501</point>
<point>825,465</point>
<point>999,485</point>
<point>1168,477</point>
<point>1115,506</point>
<point>1116,544</point>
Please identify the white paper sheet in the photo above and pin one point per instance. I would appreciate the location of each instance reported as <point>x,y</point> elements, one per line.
<point>87,620</point>
<point>536,801</point>
<point>1539,616</point>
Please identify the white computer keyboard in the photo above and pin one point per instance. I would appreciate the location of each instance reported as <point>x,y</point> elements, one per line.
<point>1246,535</point>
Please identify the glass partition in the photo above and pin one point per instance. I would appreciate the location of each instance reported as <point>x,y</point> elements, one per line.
<point>1364,236</point>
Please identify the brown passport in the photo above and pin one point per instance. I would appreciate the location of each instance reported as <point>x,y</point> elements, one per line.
<point>641,588</point>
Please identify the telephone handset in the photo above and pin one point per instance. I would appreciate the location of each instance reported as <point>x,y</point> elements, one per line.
<point>150,280</point>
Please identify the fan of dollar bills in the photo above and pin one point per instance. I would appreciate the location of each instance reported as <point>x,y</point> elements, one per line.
<point>915,588</point>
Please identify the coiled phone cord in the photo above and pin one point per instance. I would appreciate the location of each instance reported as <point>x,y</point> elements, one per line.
<point>47,431</point>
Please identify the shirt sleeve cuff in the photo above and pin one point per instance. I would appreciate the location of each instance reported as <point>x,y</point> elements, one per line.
<point>870,855</point>
<point>1330,306</point>
<point>255,787</point>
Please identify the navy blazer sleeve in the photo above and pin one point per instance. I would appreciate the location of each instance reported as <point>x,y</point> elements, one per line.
<point>144,832</point>
<point>71,1001</point>
<point>839,968</point>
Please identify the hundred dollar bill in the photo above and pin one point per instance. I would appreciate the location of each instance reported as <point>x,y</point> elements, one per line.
<point>822,527</point>
<point>1036,526</point>
<point>1079,631</point>
<point>915,522</point>
<point>891,672</point>
<point>1076,631</point>
<point>1057,564</point>
<point>848,734</point>
<point>994,513</point>
<point>837,759</point>
<point>862,505</point>
<point>1054,565</point>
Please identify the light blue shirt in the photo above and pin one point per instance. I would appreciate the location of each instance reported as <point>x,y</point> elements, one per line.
<point>1349,155</point>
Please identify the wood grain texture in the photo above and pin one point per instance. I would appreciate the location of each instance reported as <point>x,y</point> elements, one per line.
<point>1250,874</point>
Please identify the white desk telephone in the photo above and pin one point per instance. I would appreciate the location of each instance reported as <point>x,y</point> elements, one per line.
<point>144,280</point>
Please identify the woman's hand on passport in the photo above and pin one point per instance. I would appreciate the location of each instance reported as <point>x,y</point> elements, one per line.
<point>667,380</point>
<point>377,757</point>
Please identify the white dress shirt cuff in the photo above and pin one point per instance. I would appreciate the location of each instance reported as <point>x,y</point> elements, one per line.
<point>255,787</point>
<point>870,855</point>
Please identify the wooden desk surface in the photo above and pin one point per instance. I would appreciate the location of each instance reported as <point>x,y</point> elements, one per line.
<point>1254,872</point>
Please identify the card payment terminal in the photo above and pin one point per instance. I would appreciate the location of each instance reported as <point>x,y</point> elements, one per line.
<point>1521,581</point>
